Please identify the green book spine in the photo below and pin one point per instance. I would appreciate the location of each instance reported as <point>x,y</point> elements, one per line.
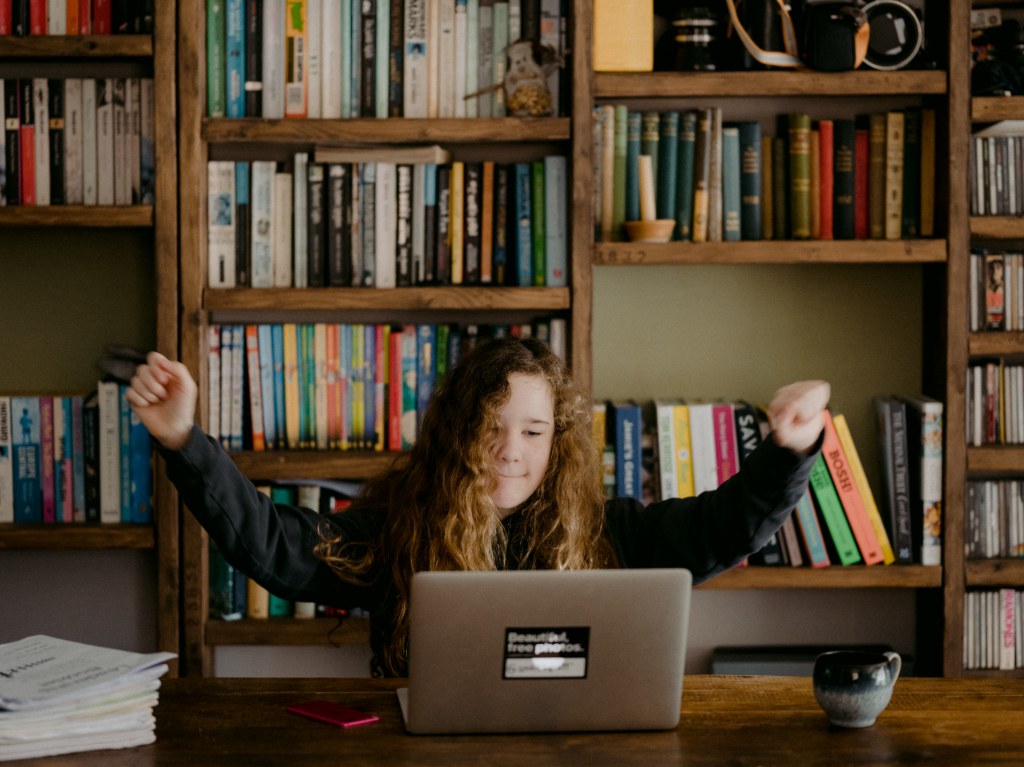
<point>650,133</point>
<point>216,63</point>
<point>667,167</point>
<point>731,183</point>
<point>633,167</point>
<point>912,172</point>
<point>684,175</point>
<point>750,180</point>
<point>844,149</point>
<point>619,174</point>
<point>800,175</point>
<point>780,198</point>
<point>833,514</point>
<point>538,224</point>
<point>701,175</point>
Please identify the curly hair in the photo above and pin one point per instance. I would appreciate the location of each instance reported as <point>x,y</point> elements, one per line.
<point>439,514</point>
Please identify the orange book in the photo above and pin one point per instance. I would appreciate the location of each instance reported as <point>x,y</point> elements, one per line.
<point>846,486</point>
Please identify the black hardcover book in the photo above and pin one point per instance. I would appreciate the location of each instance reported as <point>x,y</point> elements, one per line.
<point>368,45</point>
<point>143,12</point>
<point>243,223</point>
<point>253,58</point>
<point>751,205</point>
<point>429,229</point>
<point>120,17</point>
<point>338,225</point>
<point>472,220</point>
<point>502,174</point>
<point>912,172</point>
<point>403,231</point>
<point>396,59</point>
<point>315,226</point>
<point>27,112</point>
<point>91,453</point>
<point>530,24</point>
<point>443,273</point>
<point>364,257</point>
<point>844,148</point>
<point>20,17</point>
<point>55,92</point>
<point>12,143</point>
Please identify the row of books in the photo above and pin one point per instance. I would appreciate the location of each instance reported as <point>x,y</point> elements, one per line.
<point>403,58</point>
<point>995,403</point>
<point>994,629</point>
<point>997,169</point>
<point>76,17</point>
<point>77,141</point>
<point>687,448</point>
<point>336,386</point>
<point>69,458</point>
<point>997,290</point>
<point>872,177</point>
<point>995,519</point>
<point>338,221</point>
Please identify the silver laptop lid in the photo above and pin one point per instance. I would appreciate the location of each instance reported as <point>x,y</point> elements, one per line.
<point>531,651</point>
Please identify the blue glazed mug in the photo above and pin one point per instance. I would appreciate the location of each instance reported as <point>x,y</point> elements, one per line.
<point>854,687</point>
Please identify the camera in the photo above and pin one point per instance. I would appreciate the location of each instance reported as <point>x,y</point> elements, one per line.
<point>897,33</point>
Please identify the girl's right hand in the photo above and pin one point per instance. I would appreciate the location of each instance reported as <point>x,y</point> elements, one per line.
<point>163,394</point>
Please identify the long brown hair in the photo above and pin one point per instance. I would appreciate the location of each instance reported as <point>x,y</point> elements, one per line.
<point>439,515</point>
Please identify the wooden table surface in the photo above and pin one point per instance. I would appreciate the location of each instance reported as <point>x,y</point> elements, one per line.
<point>726,720</point>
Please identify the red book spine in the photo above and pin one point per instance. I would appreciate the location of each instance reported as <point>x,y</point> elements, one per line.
<point>862,164</point>
<point>28,143</point>
<point>395,391</point>
<point>37,17</point>
<point>101,17</point>
<point>825,147</point>
<point>5,17</point>
<point>84,16</point>
<point>46,456</point>
<point>725,441</point>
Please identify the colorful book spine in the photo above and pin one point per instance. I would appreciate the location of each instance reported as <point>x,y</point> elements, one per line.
<point>810,532</point>
<point>627,426</point>
<point>860,479</point>
<point>832,513</point>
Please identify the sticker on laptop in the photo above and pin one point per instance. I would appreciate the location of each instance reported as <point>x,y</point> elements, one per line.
<point>546,653</point>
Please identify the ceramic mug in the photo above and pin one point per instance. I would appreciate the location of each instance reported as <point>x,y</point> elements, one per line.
<point>854,687</point>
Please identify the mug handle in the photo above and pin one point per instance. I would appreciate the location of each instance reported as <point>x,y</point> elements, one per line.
<point>895,664</point>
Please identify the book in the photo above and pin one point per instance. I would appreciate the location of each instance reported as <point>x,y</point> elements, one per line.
<point>810,532</point>
<point>701,175</point>
<point>234,57</point>
<point>221,233</point>
<point>799,149</point>
<point>731,192</point>
<point>876,174</point>
<point>626,425</point>
<point>55,104</point>
<point>826,182</point>
<point>664,418</point>
<point>840,536</point>
<point>750,179</point>
<point>216,66</point>
<point>856,468</point>
<point>109,451</point>
<point>703,447</point>
<point>862,177</point>
<point>556,220</point>
<point>894,172</point>
<point>300,215</point>
<point>281,229</point>
<point>849,495</point>
<point>26,459</point>
<point>927,174</point>
<point>253,86</point>
<point>272,65</point>
<point>667,165</point>
<point>6,462</point>
<point>925,440</point>
<point>844,170</point>
<point>538,224</point>
<point>632,181</point>
<point>685,175</point>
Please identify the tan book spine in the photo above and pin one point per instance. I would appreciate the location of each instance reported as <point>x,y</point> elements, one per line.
<point>876,177</point>
<point>894,175</point>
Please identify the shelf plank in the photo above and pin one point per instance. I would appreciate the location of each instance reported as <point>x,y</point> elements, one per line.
<point>446,131</point>
<point>995,458</point>
<point>93,216</point>
<point>76,46</point>
<point>326,299</point>
<point>995,572</point>
<point>996,343</point>
<point>772,252</point>
<point>289,631</point>
<point>70,537</point>
<point>292,464</point>
<point>852,577</point>
<point>998,227</point>
<point>633,85</point>
<point>991,108</point>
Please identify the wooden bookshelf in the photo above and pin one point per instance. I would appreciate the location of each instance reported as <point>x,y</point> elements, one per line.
<point>395,299</point>
<point>77,47</point>
<point>995,573</point>
<point>995,459</point>
<point>772,252</point>
<point>69,537</point>
<point>85,216</point>
<point>833,577</point>
<point>997,227</point>
<point>291,464</point>
<point>996,343</point>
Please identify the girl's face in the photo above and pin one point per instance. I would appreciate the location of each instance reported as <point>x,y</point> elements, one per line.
<point>524,446</point>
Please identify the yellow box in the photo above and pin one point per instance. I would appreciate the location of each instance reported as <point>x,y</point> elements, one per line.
<point>623,35</point>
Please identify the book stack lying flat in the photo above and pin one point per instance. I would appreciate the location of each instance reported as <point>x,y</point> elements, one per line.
<point>58,697</point>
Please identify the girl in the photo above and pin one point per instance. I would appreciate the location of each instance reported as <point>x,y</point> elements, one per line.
<point>504,475</point>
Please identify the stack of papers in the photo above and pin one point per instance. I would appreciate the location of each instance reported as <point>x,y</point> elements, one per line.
<point>57,697</point>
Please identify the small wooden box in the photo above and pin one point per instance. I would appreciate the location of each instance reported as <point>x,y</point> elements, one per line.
<point>623,35</point>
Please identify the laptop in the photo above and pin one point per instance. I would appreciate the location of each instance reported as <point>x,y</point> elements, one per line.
<point>546,650</point>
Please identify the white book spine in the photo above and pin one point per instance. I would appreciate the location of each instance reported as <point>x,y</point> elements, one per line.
<point>499,56</point>
<point>147,142</point>
<point>282,241</point>
<point>90,136</point>
<point>6,469</point>
<point>73,193</point>
<point>237,379</point>
<point>41,107</point>
<point>227,342</point>
<point>485,59</point>
<point>472,75</point>
<point>300,230</point>
<point>105,141</point>
<point>515,21</point>
<point>134,95</point>
<point>122,186</point>
<point>433,57</point>
<point>110,452</point>
<point>331,51</point>
<point>213,381</point>
<point>255,378</point>
<point>314,56</point>
<point>261,214</point>
<point>416,71</point>
<point>459,74</point>
<point>556,245</point>
<point>273,59</point>
<point>446,48</point>
<point>220,227</point>
<point>57,17</point>
<point>558,340</point>
<point>386,225</point>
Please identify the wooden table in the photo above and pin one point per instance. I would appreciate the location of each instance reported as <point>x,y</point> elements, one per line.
<point>733,721</point>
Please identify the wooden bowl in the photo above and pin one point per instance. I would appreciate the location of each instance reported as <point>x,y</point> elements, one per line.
<point>659,230</point>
